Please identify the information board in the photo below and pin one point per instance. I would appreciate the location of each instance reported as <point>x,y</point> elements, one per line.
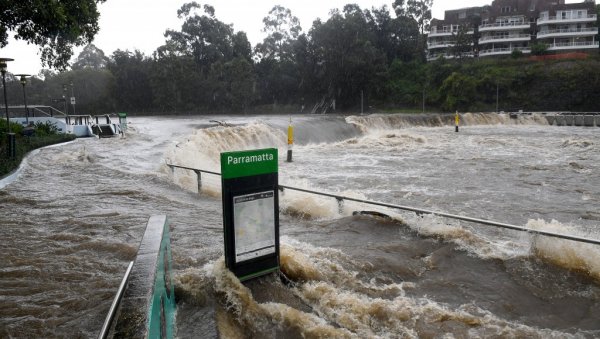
<point>254,224</point>
<point>250,212</point>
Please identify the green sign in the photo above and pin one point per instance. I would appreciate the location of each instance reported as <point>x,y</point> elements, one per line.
<point>250,194</point>
<point>248,163</point>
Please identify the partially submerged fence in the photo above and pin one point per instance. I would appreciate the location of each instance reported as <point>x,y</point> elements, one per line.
<point>419,211</point>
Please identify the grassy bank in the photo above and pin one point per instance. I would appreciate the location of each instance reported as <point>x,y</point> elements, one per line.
<point>43,135</point>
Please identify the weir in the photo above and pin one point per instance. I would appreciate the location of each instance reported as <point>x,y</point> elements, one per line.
<point>340,199</point>
<point>146,297</point>
<point>584,119</point>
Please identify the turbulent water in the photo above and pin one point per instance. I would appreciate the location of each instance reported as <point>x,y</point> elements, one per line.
<point>73,216</point>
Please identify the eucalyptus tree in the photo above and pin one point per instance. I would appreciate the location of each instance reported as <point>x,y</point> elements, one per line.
<point>203,37</point>
<point>346,54</point>
<point>184,78</point>
<point>132,87</point>
<point>282,30</point>
<point>55,26</point>
<point>233,83</point>
<point>277,68</point>
<point>420,11</point>
<point>396,37</point>
<point>91,57</point>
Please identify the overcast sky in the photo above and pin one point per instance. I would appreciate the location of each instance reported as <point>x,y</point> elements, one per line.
<point>140,24</point>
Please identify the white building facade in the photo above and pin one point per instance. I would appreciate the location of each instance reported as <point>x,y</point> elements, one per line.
<point>507,26</point>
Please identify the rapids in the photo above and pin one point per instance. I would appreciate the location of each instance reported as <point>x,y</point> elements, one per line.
<point>73,215</point>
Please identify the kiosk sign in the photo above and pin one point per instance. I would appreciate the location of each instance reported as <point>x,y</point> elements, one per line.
<point>250,212</point>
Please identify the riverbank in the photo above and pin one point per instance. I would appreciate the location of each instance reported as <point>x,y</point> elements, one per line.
<point>24,145</point>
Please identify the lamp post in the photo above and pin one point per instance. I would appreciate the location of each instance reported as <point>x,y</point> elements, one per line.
<point>10,136</point>
<point>72,98</point>
<point>64,97</point>
<point>24,82</point>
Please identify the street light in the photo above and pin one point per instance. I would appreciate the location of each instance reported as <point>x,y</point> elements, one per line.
<point>11,136</point>
<point>24,82</point>
<point>72,98</point>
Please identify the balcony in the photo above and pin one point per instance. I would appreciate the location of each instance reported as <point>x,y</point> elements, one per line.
<point>571,32</point>
<point>506,38</point>
<point>561,46</point>
<point>503,51</point>
<point>432,57</point>
<point>435,33</point>
<point>440,44</point>
<point>566,19</point>
<point>504,26</point>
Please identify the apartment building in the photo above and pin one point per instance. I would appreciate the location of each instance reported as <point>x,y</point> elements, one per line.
<point>509,25</point>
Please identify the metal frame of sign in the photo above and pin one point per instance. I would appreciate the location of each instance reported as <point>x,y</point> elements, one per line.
<point>250,182</point>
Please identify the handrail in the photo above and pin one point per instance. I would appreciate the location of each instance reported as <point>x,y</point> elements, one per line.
<point>504,24</point>
<point>193,169</point>
<point>420,211</point>
<point>113,307</point>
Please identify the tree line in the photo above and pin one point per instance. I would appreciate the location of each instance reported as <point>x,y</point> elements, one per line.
<point>372,59</point>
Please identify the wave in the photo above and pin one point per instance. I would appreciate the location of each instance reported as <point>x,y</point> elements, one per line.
<point>577,143</point>
<point>572,255</point>
<point>202,149</point>
<point>339,303</point>
<point>374,122</point>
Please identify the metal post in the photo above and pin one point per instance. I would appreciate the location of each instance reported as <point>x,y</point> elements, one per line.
<point>290,141</point>
<point>23,80</point>
<point>10,142</point>
<point>72,98</point>
<point>199,176</point>
<point>115,303</point>
<point>456,121</point>
<point>5,101</point>
<point>64,97</point>
<point>497,93</point>
<point>340,205</point>
<point>340,202</point>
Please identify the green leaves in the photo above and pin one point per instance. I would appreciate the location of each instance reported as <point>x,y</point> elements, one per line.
<point>55,26</point>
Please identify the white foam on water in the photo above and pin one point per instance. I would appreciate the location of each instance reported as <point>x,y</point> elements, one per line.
<point>373,122</point>
<point>337,295</point>
<point>569,254</point>
<point>344,306</point>
<point>453,231</point>
<point>202,150</point>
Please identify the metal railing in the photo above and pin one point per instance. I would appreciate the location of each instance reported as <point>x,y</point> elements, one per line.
<point>567,18</point>
<point>441,43</point>
<point>113,307</point>
<point>504,50</point>
<point>573,44</point>
<point>568,30</point>
<point>504,24</point>
<point>505,37</point>
<point>419,211</point>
